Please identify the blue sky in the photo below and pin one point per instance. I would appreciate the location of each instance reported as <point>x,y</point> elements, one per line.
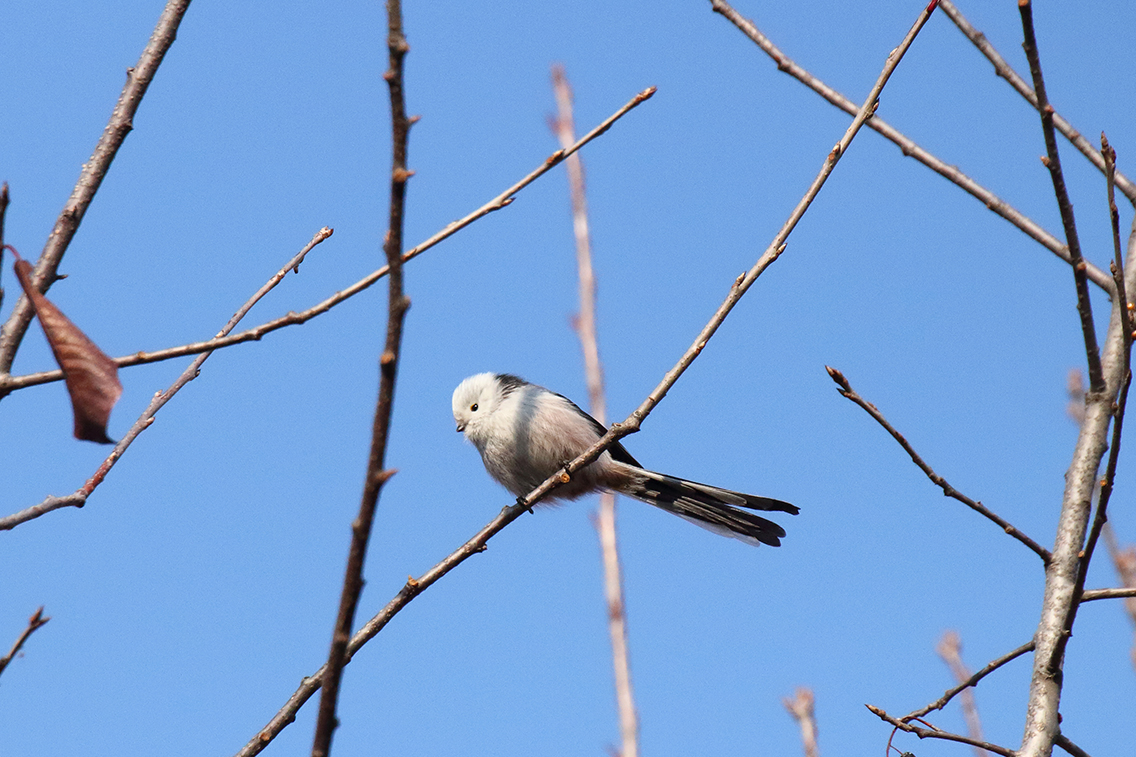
<point>199,584</point>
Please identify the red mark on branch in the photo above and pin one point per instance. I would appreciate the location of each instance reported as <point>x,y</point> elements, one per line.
<point>91,376</point>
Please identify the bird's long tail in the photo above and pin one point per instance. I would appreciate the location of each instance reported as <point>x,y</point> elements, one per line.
<point>712,508</point>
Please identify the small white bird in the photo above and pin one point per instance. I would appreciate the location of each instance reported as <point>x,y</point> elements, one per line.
<point>525,433</point>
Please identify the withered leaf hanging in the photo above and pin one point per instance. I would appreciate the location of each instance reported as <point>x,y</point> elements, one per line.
<point>91,376</point>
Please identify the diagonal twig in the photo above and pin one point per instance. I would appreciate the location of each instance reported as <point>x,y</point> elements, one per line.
<point>9,384</point>
<point>847,391</point>
<point>376,475</point>
<point>79,497</point>
<point>35,622</point>
<point>564,128</point>
<point>1006,71</point>
<point>935,733</point>
<point>907,146</point>
<point>94,170</point>
<point>951,693</point>
<point>1052,161</point>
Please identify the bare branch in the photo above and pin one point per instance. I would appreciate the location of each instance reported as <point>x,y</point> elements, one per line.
<point>35,622</point>
<point>564,127</point>
<point>935,733</point>
<point>94,170</point>
<point>847,391</point>
<point>1069,746</point>
<point>1094,594</point>
<point>79,498</point>
<point>802,708</point>
<point>398,304</point>
<point>1052,161</point>
<point>1004,70</point>
<point>9,384</point>
<point>908,147</point>
<point>950,694</point>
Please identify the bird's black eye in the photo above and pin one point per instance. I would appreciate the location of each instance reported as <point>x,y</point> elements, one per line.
<point>473,408</point>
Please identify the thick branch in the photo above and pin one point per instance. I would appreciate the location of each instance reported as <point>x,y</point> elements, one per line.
<point>94,170</point>
<point>376,475</point>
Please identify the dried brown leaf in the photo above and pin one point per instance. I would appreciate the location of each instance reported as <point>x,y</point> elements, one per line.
<point>91,376</point>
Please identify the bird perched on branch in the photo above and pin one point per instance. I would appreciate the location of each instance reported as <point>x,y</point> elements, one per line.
<point>525,433</point>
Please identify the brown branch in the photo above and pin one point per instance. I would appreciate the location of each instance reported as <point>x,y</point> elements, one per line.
<point>803,709</point>
<point>9,384</point>
<point>35,622</point>
<point>1092,595</point>
<point>564,127</point>
<point>79,498</point>
<point>94,170</point>
<point>1069,746</point>
<point>950,694</point>
<point>376,476</point>
<point>907,146</point>
<point>935,733</point>
<point>415,587</point>
<point>1052,161</point>
<point>1004,70</point>
<point>847,391</point>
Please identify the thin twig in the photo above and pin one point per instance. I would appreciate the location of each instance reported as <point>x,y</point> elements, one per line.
<point>950,649</point>
<point>79,497</point>
<point>1069,746</point>
<point>376,475</point>
<point>803,709</point>
<point>1004,70</point>
<point>950,694</point>
<point>35,622</point>
<point>94,170</point>
<point>907,146</point>
<point>847,391</point>
<point>9,384</point>
<point>415,587</point>
<point>1092,595</point>
<point>1052,161</point>
<point>564,127</point>
<point>935,733</point>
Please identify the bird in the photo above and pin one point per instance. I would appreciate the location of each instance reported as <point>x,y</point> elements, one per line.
<point>526,433</point>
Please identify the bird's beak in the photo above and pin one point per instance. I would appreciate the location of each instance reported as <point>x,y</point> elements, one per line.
<point>461,427</point>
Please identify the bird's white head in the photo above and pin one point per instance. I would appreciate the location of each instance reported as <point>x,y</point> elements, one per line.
<point>474,401</point>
